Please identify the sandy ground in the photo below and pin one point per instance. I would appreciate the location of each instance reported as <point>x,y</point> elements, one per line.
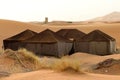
<point>51,75</point>
<point>69,75</point>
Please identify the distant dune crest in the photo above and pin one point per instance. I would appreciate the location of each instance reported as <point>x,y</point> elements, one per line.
<point>112,17</point>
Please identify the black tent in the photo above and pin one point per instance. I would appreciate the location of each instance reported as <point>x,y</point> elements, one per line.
<point>48,43</point>
<point>15,42</point>
<point>96,42</point>
<point>71,34</point>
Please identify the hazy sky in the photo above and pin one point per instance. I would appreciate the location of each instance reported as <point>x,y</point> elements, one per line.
<point>69,10</point>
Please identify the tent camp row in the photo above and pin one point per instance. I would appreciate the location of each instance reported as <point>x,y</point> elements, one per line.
<point>43,43</point>
<point>62,42</point>
<point>95,42</point>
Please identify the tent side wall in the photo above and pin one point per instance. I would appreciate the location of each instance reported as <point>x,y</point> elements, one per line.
<point>38,50</point>
<point>49,49</point>
<point>9,45</point>
<point>34,47</point>
<point>99,48</point>
<point>81,47</point>
<point>62,49</point>
<point>5,43</point>
<point>31,47</point>
<point>12,45</point>
<point>112,47</point>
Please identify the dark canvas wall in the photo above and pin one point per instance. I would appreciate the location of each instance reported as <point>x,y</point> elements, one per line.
<point>50,49</point>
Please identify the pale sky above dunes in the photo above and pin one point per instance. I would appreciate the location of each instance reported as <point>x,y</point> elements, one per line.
<point>69,10</point>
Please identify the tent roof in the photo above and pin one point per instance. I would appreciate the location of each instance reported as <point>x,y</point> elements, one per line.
<point>22,36</point>
<point>71,33</point>
<point>46,36</point>
<point>97,35</point>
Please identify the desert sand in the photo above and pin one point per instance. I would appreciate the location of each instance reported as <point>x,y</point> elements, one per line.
<point>51,75</point>
<point>85,60</point>
<point>9,28</point>
<point>112,17</point>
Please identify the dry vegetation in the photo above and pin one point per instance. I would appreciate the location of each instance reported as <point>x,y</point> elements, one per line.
<point>23,60</point>
<point>66,63</point>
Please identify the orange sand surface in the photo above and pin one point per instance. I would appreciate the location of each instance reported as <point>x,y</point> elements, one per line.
<point>83,58</point>
<point>51,75</point>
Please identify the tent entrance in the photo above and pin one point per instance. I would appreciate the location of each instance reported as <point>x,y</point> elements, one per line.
<point>72,50</point>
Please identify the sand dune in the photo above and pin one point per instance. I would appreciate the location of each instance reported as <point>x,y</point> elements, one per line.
<point>112,17</point>
<point>51,75</point>
<point>68,75</point>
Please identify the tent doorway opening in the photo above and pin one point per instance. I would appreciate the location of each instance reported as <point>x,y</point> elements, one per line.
<point>72,50</point>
